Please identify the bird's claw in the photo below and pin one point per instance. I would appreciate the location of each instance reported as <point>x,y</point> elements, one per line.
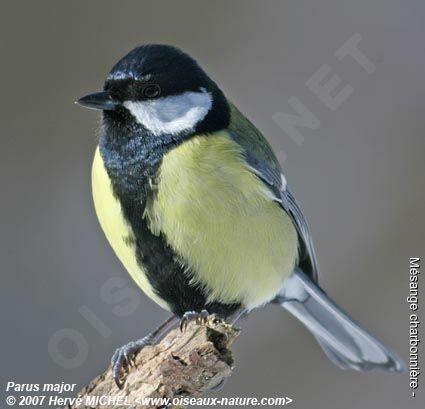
<point>201,318</point>
<point>124,358</point>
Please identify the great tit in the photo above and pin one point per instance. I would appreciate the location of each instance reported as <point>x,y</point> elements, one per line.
<point>195,205</point>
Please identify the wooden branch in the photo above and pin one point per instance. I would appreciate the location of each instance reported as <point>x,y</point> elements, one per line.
<point>182,365</point>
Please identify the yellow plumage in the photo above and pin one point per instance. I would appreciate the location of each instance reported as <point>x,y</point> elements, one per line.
<point>221,219</point>
<point>194,218</point>
<point>116,229</point>
<point>216,214</point>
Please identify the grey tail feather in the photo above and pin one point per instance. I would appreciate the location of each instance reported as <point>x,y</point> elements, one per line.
<point>345,343</point>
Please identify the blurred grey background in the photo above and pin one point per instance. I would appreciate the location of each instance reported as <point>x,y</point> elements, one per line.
<point>359,177</point>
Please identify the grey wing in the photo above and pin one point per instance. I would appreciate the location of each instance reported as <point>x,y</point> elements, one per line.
<point>262,161</point>
<point>277,184</point>
<point>344,341</point>
<point>308,260</point>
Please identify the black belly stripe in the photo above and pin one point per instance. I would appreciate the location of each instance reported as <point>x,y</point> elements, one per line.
<point>166,273</point>
<point>131,162</point>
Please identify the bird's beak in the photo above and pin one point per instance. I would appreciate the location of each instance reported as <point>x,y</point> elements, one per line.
<point>98,100</point>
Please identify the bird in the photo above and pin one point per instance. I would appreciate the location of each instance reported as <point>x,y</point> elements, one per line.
<point>194,202</point>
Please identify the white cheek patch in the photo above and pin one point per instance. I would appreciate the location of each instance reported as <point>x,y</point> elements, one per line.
<point>171,114</point>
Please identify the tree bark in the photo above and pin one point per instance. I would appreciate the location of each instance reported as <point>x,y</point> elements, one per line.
<point>182,365</point>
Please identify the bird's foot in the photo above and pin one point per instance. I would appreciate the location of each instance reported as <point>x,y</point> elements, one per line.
<point>201,318</point>
<point>124,356</point>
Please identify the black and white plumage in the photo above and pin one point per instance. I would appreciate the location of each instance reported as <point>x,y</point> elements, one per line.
<point>194,202</point>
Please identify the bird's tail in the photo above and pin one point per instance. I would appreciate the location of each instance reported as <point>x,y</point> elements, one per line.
<point>345,343</point>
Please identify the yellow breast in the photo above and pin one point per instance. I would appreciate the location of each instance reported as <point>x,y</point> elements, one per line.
<point>117,230</point>
<point>235,240</point>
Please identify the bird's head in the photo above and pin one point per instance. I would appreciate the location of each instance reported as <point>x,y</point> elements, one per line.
<point>163,90</point>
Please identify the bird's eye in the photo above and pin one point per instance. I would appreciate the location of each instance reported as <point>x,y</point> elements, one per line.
<point>152,91</point>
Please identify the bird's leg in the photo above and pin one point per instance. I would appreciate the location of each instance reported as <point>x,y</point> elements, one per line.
<point>200,318</point>
<point>124,356</point>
